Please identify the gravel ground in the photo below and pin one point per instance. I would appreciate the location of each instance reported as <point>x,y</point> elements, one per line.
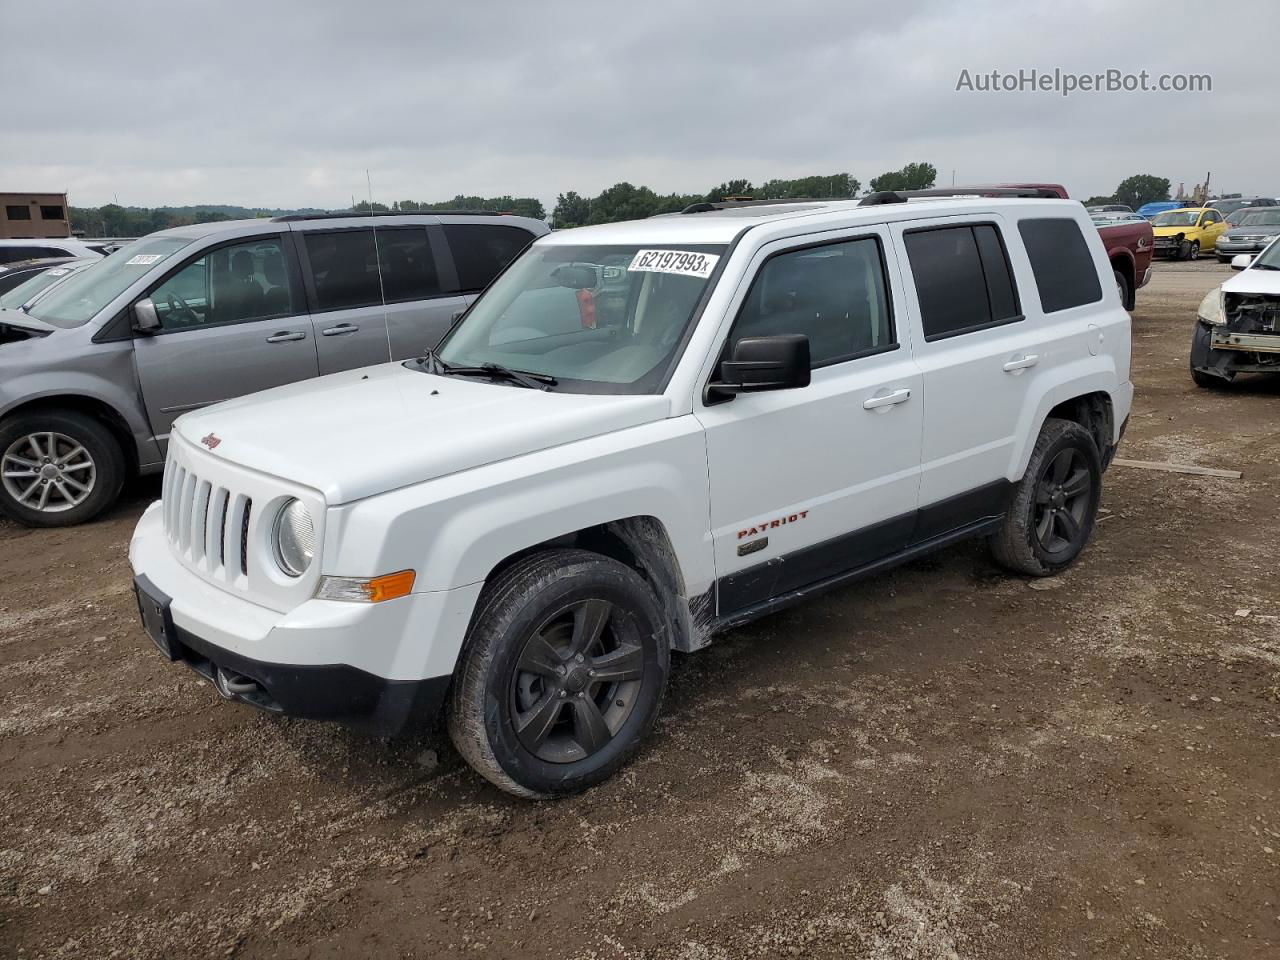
<point>941,762</point>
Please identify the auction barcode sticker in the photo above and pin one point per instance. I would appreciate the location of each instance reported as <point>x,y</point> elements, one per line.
<point>144,259</point>
<point>675,261</point>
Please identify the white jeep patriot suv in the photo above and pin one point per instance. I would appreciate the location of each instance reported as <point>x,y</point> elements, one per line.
<point>640,434</point>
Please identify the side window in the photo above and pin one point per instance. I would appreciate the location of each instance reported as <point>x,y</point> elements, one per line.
<point>344,268</point>
<point>481,250</point>
<point>834,294</point>
<point>1212,217</point>
<point>1060,259</point>
<point>16,254</point>
<point>407,266</point>
<point>963,280</point>
<point>234,284</point>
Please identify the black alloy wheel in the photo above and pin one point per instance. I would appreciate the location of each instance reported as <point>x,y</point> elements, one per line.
<point>575,683</point>
<point>1063,497</point>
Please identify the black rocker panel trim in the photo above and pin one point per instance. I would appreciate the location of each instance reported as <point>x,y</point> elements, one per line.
<point>961,510</point>
<point>736,618</point>
<point>780,580</point>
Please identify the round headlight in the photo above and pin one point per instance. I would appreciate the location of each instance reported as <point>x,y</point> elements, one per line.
<point>295,538</point>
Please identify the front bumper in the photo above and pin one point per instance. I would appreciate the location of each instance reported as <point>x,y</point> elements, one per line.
<point>1233,247</point>
<point>380,667</point>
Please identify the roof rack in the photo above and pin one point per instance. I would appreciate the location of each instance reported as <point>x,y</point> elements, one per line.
<point>732,202</point>
<point>290,217</point>
<point>902,196</point>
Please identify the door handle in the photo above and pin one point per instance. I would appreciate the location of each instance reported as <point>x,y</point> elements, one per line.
<point>880,400</point>
<point>1018,364</point>
<point>284,336</point>
<point>340,330</point>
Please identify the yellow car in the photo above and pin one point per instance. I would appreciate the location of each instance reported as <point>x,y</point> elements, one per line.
<point>1183,234</point>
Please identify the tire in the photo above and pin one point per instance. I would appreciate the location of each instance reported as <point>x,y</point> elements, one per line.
<point>1046,527</point>
<point>1122,287</point>
<point>1208,381</point>
<point>1193,251</point>
<point>91,458</point>
<point>535,732</point>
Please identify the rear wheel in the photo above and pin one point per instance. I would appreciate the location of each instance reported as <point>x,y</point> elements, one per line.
<point>1122,288</point>
<point>1055,503</point>
<point>58,468</point>
<point>562,673</point>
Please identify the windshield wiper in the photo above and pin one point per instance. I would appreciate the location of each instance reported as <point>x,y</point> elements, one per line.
<point>432,363</point>
<point>1264,266</point>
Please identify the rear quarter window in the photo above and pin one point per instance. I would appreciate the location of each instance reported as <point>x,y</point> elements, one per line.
<point>481,250</point>
<point>1061,263</point>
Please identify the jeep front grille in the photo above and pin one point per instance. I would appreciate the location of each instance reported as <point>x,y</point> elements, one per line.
<point>200,517</point>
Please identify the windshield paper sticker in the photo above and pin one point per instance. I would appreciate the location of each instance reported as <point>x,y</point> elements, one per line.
<point>59,272</point>
<point>675,261</point>
<point>143,259</point>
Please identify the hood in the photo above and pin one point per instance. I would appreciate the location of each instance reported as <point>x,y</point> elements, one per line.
<point>16,325</point>
<point>363,432</point>
<point>1261,230</point>
<point>1253,280</point>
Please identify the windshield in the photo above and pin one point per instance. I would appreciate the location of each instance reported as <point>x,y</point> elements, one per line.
<point>77,299</point>
<point>1188,219</point>
<point>1268,216</point>
<point>1269,259</point>
<point>28,288</point>
<point>599,319</point>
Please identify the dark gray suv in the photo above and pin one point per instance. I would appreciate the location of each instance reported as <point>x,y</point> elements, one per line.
<point>93,374</point>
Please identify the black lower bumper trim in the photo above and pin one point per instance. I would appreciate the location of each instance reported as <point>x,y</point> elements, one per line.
<point>318,692</point>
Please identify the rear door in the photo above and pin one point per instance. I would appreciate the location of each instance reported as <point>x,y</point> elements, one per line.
<point>232,321</point>
<point>979,356</point>
<point>419,287</point>
<point>344,291</point>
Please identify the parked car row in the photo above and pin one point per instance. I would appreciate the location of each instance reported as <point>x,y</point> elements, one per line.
<point>640,434</point>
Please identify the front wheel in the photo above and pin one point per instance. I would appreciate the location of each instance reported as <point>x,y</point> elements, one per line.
<point>562,673</point>
<point>1193,250</point>
<point>58,468</point>
<point>1055,503</point>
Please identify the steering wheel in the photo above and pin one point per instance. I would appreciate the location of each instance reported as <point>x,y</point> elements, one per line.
<point>180,308</point>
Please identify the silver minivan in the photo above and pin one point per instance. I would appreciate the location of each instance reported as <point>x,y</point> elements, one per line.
<point>93,373</point>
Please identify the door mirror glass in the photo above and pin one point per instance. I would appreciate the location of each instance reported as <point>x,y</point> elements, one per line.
<point>145,319</point>
<point>1240,261</point>
<point>759,364</point>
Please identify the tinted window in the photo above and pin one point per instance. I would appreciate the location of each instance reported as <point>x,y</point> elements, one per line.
<point>834,294</point>
<point>344,266</point>
<point>962,279</point>
<point>51,212</point>
<point>242,282</point>
<point>15,254</point>
<point>1061,262</point>
<point>481,250</point>
<point>408,268</point>
<point>17,212</point>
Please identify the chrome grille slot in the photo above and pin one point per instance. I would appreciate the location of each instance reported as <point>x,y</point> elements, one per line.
<point>200,519</point>
<point>244,537</point>
<point>186,498</point>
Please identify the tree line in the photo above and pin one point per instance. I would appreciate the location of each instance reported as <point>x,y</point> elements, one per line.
<point>622,201</point>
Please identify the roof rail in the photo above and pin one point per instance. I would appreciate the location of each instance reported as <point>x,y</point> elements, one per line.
<point>290,217</point>
<point>902,196</point>
<point>710,206</point>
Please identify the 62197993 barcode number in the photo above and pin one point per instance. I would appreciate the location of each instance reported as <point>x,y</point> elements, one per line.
<point>675,261</point>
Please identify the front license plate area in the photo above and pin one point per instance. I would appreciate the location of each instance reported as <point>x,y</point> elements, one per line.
<point>153,608</point>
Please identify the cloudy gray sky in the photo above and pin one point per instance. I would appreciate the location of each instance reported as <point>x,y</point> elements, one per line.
<point>287,102</point>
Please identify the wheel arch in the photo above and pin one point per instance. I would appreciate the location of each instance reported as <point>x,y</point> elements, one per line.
<point>1123,262</point>
<point>93,407</point>
<point>643,544</point>
<point>1090,399</point>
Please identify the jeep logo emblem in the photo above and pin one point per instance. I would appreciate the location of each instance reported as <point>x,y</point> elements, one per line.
<point>211,441</point>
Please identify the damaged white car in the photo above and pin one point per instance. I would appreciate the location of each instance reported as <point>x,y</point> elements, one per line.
<point>1238,323</point>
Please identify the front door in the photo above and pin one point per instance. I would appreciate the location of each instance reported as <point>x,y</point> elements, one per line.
<point>232,322</point>
<point>812,482</point>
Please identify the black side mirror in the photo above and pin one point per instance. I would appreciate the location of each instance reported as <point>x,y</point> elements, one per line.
<point>766,363</point>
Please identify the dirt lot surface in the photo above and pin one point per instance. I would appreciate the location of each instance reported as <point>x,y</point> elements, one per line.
<point>941,762</point>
